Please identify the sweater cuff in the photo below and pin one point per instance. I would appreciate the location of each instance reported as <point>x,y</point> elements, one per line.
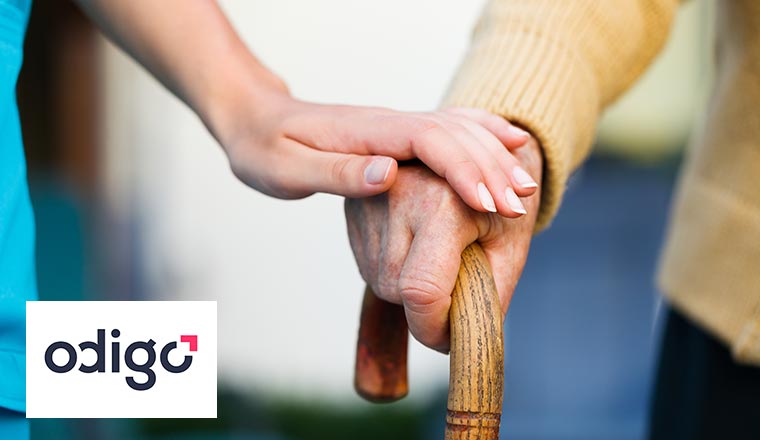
<point>557,101</point>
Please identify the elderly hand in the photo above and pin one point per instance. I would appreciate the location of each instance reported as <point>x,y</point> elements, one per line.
<point>408,241</point>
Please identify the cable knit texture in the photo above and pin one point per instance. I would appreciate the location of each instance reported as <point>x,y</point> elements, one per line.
<point>552,66</point>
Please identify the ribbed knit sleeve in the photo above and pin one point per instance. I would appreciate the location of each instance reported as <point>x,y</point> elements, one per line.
<point>553,65</point>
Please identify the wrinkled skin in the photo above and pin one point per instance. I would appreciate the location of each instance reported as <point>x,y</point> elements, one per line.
<point>407,243</point>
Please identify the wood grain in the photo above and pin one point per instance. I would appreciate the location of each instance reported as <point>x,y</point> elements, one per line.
<point>476,377</point>
<point>381,374</point>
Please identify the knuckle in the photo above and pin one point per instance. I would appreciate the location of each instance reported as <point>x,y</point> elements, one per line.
<point>462,171</point>
<point>424,128</point>
<point>424,123</point>
<point>420,290</point>
<point>462,121</point>
<point>449,204</point>
<point>390,265</point>
<point>387,289</point>
<point>367,277</point>
<point>415,125</point>
<point>457,126</point>
<point>495,170</point>
<point>368,273</point>
<point>361,261</point>
<point>479,129</point>
<point>490,227</point>
<point>339,170</point>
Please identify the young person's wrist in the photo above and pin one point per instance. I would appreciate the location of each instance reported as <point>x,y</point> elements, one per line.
<point>239,99</point>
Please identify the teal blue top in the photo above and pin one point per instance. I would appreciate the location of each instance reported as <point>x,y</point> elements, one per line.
<point>17,277</point>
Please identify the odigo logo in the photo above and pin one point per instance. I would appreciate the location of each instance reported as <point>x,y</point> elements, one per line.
<point>99,366</point>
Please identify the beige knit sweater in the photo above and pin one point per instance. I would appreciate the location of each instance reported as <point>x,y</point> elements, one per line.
<point>554,65</point>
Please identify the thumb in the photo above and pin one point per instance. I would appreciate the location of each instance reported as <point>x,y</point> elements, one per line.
<point>425,285</point>
<point>349,175</point>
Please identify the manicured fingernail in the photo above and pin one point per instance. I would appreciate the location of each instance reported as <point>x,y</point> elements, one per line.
<point>377,170</point>
<point>523,178</point>
<point>485,198</point>
<point>514,202</point>
<point>517,131</point>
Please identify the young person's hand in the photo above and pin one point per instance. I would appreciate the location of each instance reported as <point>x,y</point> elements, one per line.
<point>291,149</point>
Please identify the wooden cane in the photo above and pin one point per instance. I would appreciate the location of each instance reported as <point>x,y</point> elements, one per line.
<point>476,377</point>
<point>381,351</point>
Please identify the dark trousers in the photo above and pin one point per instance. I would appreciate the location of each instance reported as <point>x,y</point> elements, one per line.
<point>700,392</point>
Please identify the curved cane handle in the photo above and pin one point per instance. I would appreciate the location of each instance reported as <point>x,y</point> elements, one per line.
<point>380,374</point>
<point>476,377</point>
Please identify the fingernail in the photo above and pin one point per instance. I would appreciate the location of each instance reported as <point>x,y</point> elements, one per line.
<point>517,131</point>
<point>514,202</point>
<point>377,170</point>
<point>485,198</point>
<point>523,178</point>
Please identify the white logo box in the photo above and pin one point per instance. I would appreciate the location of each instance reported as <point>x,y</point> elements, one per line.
<point>182,330</point>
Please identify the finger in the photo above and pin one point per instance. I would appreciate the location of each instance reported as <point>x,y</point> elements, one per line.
<point>304,171</point>
<point>443,153</point>
<point>506,264</point>
<point>426,282</point>
<point>433,143</point>
<point>510,135</point>
<point>398,135</point>
<point>497,182</point>
<point>393,250</point>
<point>363,238</point>
<point>354,130</point>
<point>520,181</point>
<point>402,135</point>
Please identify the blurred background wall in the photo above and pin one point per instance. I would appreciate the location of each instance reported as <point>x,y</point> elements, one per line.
<point>134,200</point>
<point>283,273</point>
